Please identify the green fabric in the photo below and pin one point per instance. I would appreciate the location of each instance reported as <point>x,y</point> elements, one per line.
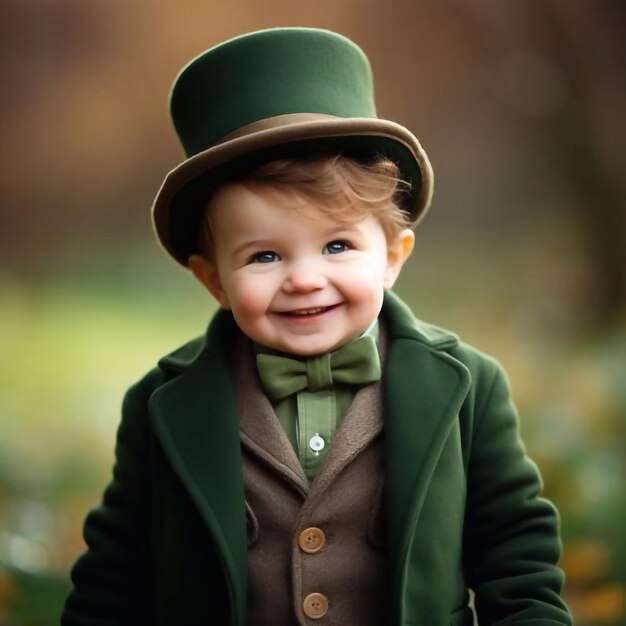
<point>319,416</point>
<point>355,363</point>
<point>268,73</point>
<point>310,416</point>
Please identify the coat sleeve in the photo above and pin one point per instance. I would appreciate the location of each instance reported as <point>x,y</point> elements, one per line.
<point>512,539</point>
<point>112,579</point>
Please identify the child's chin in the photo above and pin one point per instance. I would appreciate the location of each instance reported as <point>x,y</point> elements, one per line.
<point>308,353</point>
<point>302,349</point>
<point>313,350</point>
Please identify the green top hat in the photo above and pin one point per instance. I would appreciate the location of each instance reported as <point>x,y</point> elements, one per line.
<point>273,93</point>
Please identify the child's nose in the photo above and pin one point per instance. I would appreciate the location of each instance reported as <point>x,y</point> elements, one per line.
<point>303,277</point>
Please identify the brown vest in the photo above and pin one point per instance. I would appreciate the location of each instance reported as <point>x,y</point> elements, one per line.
<point>342,556</point>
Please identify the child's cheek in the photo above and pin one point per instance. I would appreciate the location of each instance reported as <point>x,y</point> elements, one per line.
<point>250,298</point>
<point>365,277</point>
<point>364,292</point>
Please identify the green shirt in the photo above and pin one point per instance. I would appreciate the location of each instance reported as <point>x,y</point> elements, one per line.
<point>311,418</point>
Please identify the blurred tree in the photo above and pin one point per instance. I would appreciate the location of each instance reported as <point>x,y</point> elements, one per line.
<point>586,132</point>
<point>568,73</point>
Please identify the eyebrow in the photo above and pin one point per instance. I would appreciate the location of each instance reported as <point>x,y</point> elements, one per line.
<point>338,230</point>
<point>341,232</point>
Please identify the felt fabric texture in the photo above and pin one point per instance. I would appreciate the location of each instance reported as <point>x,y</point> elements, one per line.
<point>275,93</point>
<point>462,503</point>
<point>344,501</point>
<point>271,72</point>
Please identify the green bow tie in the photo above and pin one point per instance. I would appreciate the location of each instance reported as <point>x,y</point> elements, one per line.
<point>356,363</point>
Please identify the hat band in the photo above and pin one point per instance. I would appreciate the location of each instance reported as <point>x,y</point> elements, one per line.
<point>275,122</point>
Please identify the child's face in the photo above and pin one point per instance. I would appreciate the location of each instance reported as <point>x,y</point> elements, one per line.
<point>296,281</point>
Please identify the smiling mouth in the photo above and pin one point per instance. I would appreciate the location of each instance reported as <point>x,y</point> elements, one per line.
<point>318,310</point>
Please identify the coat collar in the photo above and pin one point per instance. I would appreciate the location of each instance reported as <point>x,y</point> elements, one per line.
<point>195,420</point>
<point>424,390</point>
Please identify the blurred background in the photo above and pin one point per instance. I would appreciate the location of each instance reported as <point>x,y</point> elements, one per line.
<point>521,109</point>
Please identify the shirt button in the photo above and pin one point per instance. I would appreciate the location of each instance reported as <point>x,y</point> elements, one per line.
<point>311,540</point>
<point>315,605</point>
<point>316,443</point>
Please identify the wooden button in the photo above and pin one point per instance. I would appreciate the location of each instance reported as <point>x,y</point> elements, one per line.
<point>315,605</point>
<point>311,540</point>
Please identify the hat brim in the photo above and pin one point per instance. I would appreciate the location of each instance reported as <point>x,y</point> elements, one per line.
<point>182,198</point>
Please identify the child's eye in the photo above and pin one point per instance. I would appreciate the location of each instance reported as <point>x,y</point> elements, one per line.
<point>267,256</point>
<point>335,247</point>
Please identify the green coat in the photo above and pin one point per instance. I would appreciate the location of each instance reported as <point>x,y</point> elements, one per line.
<point>168,544</point>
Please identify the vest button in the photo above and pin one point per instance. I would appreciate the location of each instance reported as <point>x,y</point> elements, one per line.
<point>315,605</point>
<point>311,540</point>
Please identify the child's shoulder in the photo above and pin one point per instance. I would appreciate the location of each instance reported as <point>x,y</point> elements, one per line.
<point>181,357</point>
<point>482,373</point>
<point>437,338</point>
<point>480,364</point>
<point>485,378</point>
<point>166,368</point>
<point>217,340</point>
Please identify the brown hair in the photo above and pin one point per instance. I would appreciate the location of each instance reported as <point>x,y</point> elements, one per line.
<point>339,186</point>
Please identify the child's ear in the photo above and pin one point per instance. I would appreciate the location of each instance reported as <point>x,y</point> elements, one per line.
<point>206,273</point>
<point>398,251</point>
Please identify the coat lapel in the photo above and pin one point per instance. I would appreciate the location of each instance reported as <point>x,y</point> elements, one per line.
<point>194,417</point>
<point>261,432</point>
<point>425,388</point>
